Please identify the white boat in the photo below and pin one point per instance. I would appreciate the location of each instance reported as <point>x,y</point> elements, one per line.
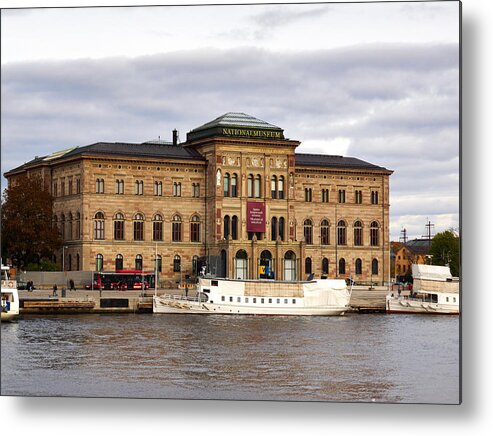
<point>10,296</point>
<point>434,291</point>
<point>260,297</point>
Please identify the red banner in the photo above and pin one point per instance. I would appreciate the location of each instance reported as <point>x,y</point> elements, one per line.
<point>255,216</point>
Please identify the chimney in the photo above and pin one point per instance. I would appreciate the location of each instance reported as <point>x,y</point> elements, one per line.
<point>175,137</point>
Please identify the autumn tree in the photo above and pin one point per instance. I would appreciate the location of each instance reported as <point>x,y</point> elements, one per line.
<point>28,233</point>
<point>445,250</point>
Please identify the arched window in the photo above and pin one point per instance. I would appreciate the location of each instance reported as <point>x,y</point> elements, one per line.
<point>195,229</point>
<point>99,262</point>
<point>226,180</point>
<point>241,265</point>
<point>358,233</point>
<point>139,187</point>
<point>234,227</point>
<point>62,226</point>
<point>158,188</point>
<point>119,225</point>
<point>282,227</point>
<point>374,234</point>
<point>341,233</point>
<point>250,185</point>
<point>308,265</point>
<point>226,227</point>
<point>289,265</point>
<point>280,187</point>
<point>308,231</point>
<point>119,187</point>
<point>234,185</point>
<point>139,263</point>
<point>342,266</point>
<point>99,226</point>
<point>176,229</point>
<point>325,266</point>
<point>273,228</point>
<point>374,266</point>
<point>177,264</point>
<point>77,225</point>
<point>157,228</point>
<point>70,226</point>
<point>324,232</point>
<point>257,186</point>
<point>273,186</point>
<point>195,265</point>
<point>118,262</point>
<point>358,266</point>
<point>99,186</point>
<point>176,189</point>
<point>139,227</point>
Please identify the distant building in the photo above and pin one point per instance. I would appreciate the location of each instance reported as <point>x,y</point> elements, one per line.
<point>235,197</point>
<point>414,251</point>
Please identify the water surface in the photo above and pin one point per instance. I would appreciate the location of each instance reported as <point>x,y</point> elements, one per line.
<point>355,358</point>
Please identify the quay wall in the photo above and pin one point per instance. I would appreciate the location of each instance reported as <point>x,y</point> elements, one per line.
<point>362,300</point>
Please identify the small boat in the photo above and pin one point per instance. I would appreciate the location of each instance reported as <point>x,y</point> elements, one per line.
<point>10,296</point>
<point>260,297</point>
<point>434,291</point>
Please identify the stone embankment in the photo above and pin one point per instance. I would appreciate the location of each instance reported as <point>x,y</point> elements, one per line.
<point>363,300</point>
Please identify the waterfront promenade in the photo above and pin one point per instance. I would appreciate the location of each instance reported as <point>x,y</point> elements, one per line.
<point>42,301</point>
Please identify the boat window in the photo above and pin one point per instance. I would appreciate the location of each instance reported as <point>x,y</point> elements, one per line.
<point>238,299</point>
<point>434,298</point>
<point>254,300</point>
<point>246,299</point>
<point>454,299</point>
<point>270,300</point>
<point>223,298</point>
<point>206,291</point>
<point>214,283</point>
<point>231,299</point>
<point>285,301</point>
<point>278,301</point>
<point>262,300</point>
<point>446,298</point>
<point>294,300</point>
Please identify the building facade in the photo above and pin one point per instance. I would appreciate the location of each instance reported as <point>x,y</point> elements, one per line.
<point>235,198</point>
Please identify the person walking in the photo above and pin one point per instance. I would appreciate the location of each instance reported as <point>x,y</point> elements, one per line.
<point>55,290</point>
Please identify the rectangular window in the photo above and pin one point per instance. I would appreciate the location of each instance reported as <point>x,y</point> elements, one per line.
<point>294,300</point>
<point>246,299</point>
<point>262,300</point>
<point>270,300</point>
<point>285,301</point>
<point>358,196</point>
<point>70,187</point>
<point>238,300</point>
<point>308,194</point>
<point>230,299</point>
<point>278,301</point>
<point>325,195</point>
<point>223,298</point>
<point>254,300</point>
<point>77,186</point>
<point>157,230</point>
<point>138,230</point>
<point>342,196</point>
<point>374,197</point>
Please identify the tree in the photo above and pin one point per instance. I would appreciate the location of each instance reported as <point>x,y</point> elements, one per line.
<point>445,250</point>
<point>28,233</point>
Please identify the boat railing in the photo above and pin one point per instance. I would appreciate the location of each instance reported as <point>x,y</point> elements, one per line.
<point>178,297</point>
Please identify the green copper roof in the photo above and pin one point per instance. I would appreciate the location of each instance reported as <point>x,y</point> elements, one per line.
<point>237,124</point>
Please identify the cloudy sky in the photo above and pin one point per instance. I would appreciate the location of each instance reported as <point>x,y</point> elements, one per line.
<point>377,81</point>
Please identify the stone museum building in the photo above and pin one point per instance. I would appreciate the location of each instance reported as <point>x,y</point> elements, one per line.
<point>236,198</point>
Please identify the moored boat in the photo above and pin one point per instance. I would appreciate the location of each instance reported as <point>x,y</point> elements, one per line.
<point>434,291</point>
<point>260,297</point>
<point>10,296</point>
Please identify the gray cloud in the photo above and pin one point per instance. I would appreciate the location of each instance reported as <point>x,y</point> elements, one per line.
<point>396,103</point>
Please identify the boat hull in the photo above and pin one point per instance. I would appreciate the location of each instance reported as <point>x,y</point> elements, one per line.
<point>402,305</point>
<point>9,316</point>
<point>163,305</point>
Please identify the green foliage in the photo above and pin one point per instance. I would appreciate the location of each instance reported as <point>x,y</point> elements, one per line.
<point>44,265</point>
<point>445,250</point>
<point>28,233</point>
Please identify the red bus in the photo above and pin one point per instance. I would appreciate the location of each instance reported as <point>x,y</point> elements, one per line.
<point>122,280</point>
